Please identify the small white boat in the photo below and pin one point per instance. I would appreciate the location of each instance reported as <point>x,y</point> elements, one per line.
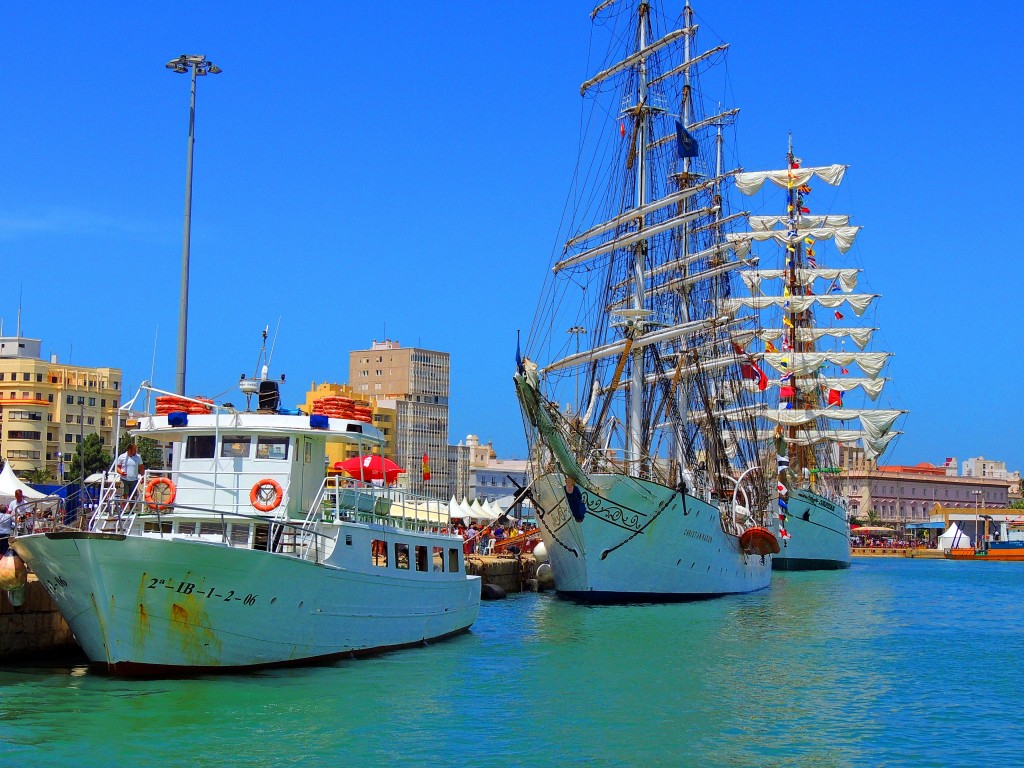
<point>243,555</point>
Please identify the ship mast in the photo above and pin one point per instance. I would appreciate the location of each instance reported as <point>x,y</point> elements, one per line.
<point>637,325</point>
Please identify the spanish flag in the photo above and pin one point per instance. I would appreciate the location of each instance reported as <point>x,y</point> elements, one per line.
<point>426,468</point>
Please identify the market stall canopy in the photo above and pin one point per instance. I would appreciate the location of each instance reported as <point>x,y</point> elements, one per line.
<point>954,538</point>
<point>871,530</point>
<point>9,483</point>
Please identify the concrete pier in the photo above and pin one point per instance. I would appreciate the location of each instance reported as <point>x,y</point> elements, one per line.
<point>35,629</point>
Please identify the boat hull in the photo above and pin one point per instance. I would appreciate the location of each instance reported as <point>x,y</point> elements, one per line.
<point>145,606</point>
<point>641,542</point>
<point>1007,552</point>
<point>819,535</point>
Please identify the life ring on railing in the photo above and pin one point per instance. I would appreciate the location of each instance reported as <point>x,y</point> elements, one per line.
<point>166,498</point>
<point>260,495</point>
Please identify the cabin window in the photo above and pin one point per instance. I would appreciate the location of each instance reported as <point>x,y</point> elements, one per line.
<point>239,535</point>
<point>453,560</point>
<point>211,529</point>
<point>421,558</point>
<point>235,446</point>
<point>309,451</point>
<point>200,446</point>
<point>160,527</point>
<point>272,447</point>
<point>438,558</point>
<point>348,540</point>
<point>380,553</point>
<point>401,556</point>
<point>187,529</point>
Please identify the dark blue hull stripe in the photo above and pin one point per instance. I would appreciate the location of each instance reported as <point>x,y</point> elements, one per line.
<point>808,564</point>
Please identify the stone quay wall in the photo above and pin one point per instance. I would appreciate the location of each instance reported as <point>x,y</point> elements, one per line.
<point>35,629</point>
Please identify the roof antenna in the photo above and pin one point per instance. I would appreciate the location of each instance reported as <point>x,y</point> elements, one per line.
<point>274,343</point>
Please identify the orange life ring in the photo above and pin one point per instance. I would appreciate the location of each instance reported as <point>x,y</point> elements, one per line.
<point>152,485</point>
<point>259,495</point>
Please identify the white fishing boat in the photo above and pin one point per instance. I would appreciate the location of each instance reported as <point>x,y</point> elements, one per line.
<point>243,555</point>
<point>823,394</point>
<point>649,485</point>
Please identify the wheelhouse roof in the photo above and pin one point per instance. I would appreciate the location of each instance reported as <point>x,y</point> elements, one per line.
<point>338,430</point>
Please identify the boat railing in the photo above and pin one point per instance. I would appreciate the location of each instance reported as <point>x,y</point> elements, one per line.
<point>347,499</point>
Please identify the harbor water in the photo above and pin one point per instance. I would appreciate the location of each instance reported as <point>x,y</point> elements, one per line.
<point>894,662</point>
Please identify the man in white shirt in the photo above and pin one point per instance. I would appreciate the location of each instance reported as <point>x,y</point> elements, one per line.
<point>6,529</point>
<point>129,466</point>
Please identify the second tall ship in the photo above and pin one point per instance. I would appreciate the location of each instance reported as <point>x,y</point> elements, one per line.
<point>650,484</point>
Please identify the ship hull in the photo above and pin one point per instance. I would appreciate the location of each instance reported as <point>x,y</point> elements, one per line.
<point>819,535</point>
<point>148,606</point>
<point>641,542</point>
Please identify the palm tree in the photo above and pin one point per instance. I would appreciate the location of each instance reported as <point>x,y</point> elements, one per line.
<point>39,476</point>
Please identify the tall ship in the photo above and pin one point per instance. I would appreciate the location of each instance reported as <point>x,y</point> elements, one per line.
<point>646,453</point>
<point>242,555</point>
<point>812,338</point>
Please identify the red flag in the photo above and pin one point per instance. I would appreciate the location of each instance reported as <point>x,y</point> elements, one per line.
<point>426,468</point>
<point>846,370</point>
<point>835,397</point>
<point>622,129</point>
<point>839,315</point>
<point>751,371</point>
<point>787,391</point>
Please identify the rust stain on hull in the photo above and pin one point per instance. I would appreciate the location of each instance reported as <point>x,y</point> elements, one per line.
<point>191,622</point>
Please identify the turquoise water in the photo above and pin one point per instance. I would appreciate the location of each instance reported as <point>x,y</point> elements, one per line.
<point>892,663</point>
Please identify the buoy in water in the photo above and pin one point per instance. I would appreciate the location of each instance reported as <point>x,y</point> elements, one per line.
<point>13,573</point>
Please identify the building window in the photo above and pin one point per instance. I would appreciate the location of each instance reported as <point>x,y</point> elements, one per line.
<point>69,439</point>
<point>39,377</point>
<point>90,420</point>
<point>70,399</point>
<point>103,403</point>
<point>92,401</point>
<point>26,377</point>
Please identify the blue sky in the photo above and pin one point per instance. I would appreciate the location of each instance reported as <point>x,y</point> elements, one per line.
<point>400,169</point>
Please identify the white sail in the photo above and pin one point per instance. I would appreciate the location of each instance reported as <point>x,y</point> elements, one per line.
<point>844,237</point>
<point>806,221</point>
<point>790,178</point>
<point>805,363</point>
<point>631,61</point>
<point>860,336</point>
<point>845,279</point>
<point>858,302</point>
<point>634,237</point>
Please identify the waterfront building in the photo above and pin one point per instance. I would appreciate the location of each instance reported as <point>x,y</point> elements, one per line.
<point>47,408</point>
<point>903,494</point>
<point>494,479</point>
<point>416,382</point>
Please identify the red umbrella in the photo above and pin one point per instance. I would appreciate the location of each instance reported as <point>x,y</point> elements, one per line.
<point>371,468</point>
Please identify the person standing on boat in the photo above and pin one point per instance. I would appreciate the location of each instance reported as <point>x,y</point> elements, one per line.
<point>129,466</point>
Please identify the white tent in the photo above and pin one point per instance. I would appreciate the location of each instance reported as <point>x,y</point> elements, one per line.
<point>954,538</point>
<point>9,483</point>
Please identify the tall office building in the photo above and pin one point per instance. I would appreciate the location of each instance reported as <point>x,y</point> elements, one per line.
<point>46,408</point>
<point>417,381</point>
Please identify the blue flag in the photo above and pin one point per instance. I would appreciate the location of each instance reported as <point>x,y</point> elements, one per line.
<point>685,143</point>
<point>519,357</point>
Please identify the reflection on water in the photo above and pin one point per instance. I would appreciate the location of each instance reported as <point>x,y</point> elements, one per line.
<point>878,665</point>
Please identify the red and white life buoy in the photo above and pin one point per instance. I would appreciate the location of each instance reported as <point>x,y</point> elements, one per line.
<point>266,495</point>
<point>165,498</point>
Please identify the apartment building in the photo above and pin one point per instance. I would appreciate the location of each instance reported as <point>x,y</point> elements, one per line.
<point>47,408</point>
<point>416,382</point>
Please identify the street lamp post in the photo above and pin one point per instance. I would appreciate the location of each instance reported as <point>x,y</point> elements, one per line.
<point>198,66</point>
